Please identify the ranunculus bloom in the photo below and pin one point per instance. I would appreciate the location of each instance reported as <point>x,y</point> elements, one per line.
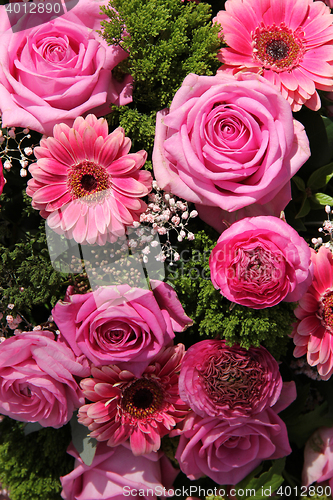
<point>37,381</point>
<point>141,409</point>
<point>120,324</point>
<point>318,457</point>
<point>226,382</point>
<point>312,334</point>
<point>288,42</point>
<point>59,70</point>
<point>86,183</point>
<point>230,143</point>
<point>114,469</point>
<point>260,261</point>
<point>228,450</point>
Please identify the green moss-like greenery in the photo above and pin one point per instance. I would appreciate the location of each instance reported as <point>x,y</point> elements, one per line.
<point>166,40</point>
<point>214,316</point>
<point>27,278</point>
<point>31,465</point>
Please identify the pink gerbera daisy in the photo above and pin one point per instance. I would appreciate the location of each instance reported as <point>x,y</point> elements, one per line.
<point>141,409</point>
<point>86,184</point>
<point>289,42</point>
<point>313,333</point>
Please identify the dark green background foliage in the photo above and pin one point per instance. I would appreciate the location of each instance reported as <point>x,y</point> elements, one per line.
<point>166,40</point>
<point>31,465</point>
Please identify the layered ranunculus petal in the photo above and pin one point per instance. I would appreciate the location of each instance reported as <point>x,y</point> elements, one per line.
<point>260,261</point>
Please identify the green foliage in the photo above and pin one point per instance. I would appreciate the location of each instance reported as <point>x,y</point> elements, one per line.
<point>214,316</point>
<point>166,40</point>
<point>27,278</point>
<point>262,486</point>
<point>31,465</point>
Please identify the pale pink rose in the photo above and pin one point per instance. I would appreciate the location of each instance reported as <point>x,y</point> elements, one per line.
<point>114,472</point>
<point>318,457</point>
<point>217,380</point>
<point>260,261</point>
<point>231,143</point>
<point>37,381</point>
<point>120,324</point>
<point>228,450</point>
<point>59,70</point>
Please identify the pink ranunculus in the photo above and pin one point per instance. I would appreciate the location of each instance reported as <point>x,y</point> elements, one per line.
<point>318,457</point>
<point>115,472</point>
<point>59,70</point>
<point>217,380</point>
<point>37,381</point>
<point>230,143</point>
<point>120,324</point>
<point>260,261</point>
<point>228,450</point>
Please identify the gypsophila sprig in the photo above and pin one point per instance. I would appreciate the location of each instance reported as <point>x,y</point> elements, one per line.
<point>166,213</point>
<point>326,230</point>
<point>15,145</point>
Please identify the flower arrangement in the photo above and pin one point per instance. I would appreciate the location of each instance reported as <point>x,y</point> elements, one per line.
<point>166,249</point>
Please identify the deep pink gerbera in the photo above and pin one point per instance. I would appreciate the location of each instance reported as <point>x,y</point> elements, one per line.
<point>86,184</point>
<point>289,42</point>
<point>141,409</point>
<point>313,333</point>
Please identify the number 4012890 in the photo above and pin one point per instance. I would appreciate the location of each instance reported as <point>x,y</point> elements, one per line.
<point>33,8</point>
<point>303,491</point>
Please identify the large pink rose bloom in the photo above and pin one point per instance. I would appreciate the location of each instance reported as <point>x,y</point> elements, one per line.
<point>260,261</point>
<point>228,450</point>
<point>318,457</point>
<point>37,381</point>
<point>312,334</point>
<point>230,143</point>
<point>58,70</point>
<point>86,183</point>
<point>114,469</point>
<point>139,409</point>
<point>289,43</point>
<point>227,382</point>
<point>120,324</point>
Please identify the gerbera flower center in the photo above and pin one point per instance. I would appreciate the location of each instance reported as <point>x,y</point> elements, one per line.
<point>86,179</point>
<point>232,379</point>
<point>278,47</point>
<point>326,310</point>
<point>142,398</point>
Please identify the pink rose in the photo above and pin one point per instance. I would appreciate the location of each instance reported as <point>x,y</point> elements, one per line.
<point>228,450</point>
<point>260,261</point>
<point>37,381</point>
<point>318,457</point>
<point>115,472</point>
<point>59,70</point>
<point>118,324</point>
<point>229,142</point>
<point>217,380</point>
